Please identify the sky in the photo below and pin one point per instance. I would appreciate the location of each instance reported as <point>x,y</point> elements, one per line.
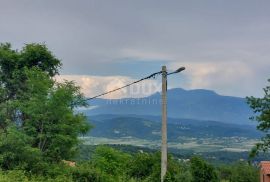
<point>105,44</point>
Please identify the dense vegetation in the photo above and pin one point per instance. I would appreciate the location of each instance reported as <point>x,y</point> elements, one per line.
<point>39,131</point>
<point>216,158</point>
<point>38,125</point>
<point>109,165</point>
<point>261,108</point>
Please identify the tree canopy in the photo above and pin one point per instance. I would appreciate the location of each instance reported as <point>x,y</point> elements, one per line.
<point>202,171</point>
<point>13,62</point>
<point>261,108</point>
<point>37,115</point>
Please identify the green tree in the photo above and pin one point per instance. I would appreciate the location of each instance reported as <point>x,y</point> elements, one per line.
<point>86,171</point>
<point>146,167</point>
<point>141,165</point>
<point>12,74</point>
<point>38,121</point>
<point>16,152</point>
<point>12,63</point>
<point>225,172</point>
<point>243,172</point>
<point>49,116</point>
<point>261,108</point>
<point>202,171</point>
<point>111,161</point>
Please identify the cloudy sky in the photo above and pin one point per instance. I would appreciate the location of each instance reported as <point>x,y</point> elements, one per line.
<point>103,44</point>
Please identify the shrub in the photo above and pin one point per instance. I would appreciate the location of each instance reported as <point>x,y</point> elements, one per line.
<point>202,171</point>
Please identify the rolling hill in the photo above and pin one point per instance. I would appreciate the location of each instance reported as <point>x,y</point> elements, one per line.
<point>148,127</point>
<point>189,104</point>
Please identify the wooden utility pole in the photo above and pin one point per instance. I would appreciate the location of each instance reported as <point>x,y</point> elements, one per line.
<point>164,124</point>
<point>164,146</point>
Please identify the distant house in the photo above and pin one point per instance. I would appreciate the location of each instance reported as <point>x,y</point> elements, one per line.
<point>265,171</point>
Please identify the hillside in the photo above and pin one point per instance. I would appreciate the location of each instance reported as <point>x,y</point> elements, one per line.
<point>190,104</point>
<point>148,127</point>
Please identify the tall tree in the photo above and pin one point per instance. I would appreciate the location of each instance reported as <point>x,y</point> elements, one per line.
<point>49,116</point>
<point>202,171</point>
<point>12,63</point>
<point>12,74</point>
<point>37,108</point>
<point>261,108</point>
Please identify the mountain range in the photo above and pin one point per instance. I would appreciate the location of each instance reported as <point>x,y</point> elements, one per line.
<point>199,104</point>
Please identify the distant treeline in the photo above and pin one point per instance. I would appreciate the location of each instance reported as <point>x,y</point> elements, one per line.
<point>216,158</point>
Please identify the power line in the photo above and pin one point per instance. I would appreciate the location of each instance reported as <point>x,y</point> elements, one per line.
<point>145,78</point>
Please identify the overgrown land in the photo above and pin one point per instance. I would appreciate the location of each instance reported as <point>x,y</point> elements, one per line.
<point>40,129</point>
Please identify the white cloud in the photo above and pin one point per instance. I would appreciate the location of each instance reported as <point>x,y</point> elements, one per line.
<point>227,78</point>
<point>95,85</point>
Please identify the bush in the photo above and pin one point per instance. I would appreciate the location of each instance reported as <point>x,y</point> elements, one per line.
<point>85,172</point>
<point>202,171</point>
<point>22,176</point>
<point>243,172</point>
<point>16,153</point>
<point>141,165</point>
<point>111,161</point>
<point>146,167</point>
<point>16,175</point>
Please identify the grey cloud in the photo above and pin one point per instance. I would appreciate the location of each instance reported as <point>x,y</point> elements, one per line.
<point>92,36</point>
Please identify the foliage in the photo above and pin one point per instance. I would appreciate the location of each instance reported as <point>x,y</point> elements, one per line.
<point>243,172</point>
<point>111,161</point>
<point>141,165</point>
<point>49,117</point>
<point>87,172</point>
<point>39,126</point>
<point>16,152</point>
<point>261,108</point>
<point>202,171</point>
<point>144,165</point>
<point>12,63</point>
<point>22,176</point>
<point>135,170</point>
